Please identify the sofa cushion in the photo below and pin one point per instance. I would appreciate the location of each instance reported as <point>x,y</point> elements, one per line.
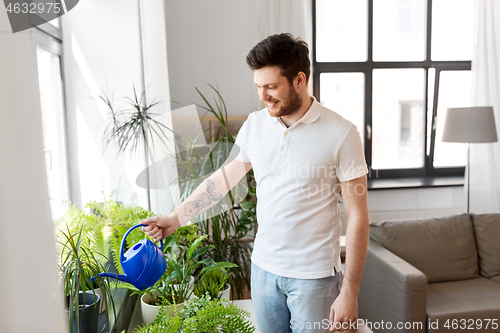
<point>487,230</point>
<point>495,279</point>
<point>444,249</point>
<point>463,302</point>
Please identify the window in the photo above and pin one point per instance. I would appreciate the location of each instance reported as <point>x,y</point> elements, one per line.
<point>393,67</point>
<point>49,51</point>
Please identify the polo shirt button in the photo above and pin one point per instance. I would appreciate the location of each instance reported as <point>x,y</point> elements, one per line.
<point>286,133</point>
<point>282,148</point>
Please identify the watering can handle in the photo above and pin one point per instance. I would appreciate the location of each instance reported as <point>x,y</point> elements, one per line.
<point>122,257</point>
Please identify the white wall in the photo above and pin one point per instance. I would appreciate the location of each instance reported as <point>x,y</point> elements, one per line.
<point>31,297</point>
<point>412,203</point>
<point>207,43</point>
<point>415,203</point>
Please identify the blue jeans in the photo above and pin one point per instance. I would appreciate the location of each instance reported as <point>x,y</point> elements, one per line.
<point>284,305</point>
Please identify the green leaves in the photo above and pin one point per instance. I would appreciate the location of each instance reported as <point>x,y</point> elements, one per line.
<point>218,314</point>
<point>202,315</point>
<point>78,265</point>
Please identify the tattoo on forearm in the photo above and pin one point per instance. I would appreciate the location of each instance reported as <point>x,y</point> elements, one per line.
<point>203,200</point>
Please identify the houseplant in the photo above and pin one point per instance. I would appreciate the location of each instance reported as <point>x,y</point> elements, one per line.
<point>165,296</point>
<point>226,230</point>
<point>134,126</point>
<point>78,264</point>
<point>202,314</point>
<point>215,283</point>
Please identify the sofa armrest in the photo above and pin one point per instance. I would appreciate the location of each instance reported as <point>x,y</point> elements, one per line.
<point>392,290</point>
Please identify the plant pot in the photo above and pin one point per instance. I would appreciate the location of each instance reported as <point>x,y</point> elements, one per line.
<point>102,307</point>
<point>150,312</point>
<point>226,293</point>
<point>88,316</point>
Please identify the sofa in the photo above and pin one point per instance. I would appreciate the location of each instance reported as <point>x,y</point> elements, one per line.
<point>433,275</point>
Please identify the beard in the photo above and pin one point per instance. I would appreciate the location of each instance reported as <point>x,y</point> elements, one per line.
<point>288,105</point>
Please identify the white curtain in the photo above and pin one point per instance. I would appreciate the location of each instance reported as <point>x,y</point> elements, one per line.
<point>485,158</point>
<point>31,299</point>
<point>293,16</point>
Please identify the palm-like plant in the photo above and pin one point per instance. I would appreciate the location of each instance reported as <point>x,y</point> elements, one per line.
<point>135,125</point>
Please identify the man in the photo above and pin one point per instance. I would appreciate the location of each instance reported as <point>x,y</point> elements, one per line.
<point>302,155</point>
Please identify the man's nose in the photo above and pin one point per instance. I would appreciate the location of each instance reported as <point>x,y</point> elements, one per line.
<point>263,95</point>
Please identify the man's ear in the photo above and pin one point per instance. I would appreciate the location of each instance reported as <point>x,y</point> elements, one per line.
<point>300,79</point>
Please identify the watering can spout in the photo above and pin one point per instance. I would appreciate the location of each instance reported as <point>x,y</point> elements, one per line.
<point>118,277</point>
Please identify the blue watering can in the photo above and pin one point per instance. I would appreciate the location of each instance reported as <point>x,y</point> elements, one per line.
<point>143,264</point>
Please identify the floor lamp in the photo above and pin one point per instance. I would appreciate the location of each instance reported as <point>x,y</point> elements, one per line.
<point>470,125</point>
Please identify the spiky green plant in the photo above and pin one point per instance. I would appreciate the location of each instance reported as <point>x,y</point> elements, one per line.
<point>78,265</point>
<point>213,282</point>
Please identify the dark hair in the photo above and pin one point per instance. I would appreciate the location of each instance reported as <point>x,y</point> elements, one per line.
<point>290,54</point>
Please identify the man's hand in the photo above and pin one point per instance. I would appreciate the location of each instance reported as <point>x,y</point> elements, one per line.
<point>159,227</point>
<point>343,311</point>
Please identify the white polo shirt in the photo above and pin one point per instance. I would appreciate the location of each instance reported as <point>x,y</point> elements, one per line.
<point>298,170</point>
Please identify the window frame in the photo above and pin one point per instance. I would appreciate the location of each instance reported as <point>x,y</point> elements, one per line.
<point>367,67</point>
<point>49,37</point>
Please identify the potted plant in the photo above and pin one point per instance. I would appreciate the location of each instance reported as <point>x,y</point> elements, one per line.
<point>156,297</point>
<point>78,265</point>
<point>202,314</point>
<point>215,283</point>
<point>187,269</point>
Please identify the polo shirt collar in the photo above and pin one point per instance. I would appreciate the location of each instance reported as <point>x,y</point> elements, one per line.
<point>310,116</point>
<point>313,113</point>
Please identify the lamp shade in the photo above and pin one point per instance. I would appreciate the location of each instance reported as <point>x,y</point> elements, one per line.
<point>470,125</point>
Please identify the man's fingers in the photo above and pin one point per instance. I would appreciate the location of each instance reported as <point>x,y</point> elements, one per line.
<point>337,324</point>
<point>157,235</point>
<point>154,230</point>
<point>150,220</point>
<point>149,224</point>
<point>148,228</point>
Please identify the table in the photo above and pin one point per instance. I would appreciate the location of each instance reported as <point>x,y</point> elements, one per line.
<point>246,304</point>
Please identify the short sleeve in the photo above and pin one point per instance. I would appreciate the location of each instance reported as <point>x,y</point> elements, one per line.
<point>351,163</point>
<point>239,151</point>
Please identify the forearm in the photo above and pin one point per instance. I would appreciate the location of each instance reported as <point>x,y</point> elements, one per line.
<point>356,246</point>
<point>211,191</point>
<point>205,196</point>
